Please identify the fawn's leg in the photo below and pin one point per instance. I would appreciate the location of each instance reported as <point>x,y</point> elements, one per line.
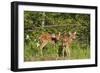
<point>41,47</point>
<point>57,55</point>
<point>68,52</point>
<point>63,51</point>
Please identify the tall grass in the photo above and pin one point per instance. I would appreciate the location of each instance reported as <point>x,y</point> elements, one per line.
<point>52,52</point>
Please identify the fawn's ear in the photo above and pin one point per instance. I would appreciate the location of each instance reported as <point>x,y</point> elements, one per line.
<point>59,32</point>
<point>74,33</point>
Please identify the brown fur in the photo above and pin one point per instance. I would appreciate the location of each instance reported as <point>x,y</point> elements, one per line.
<point>66,43</point>
<point>45,38</point>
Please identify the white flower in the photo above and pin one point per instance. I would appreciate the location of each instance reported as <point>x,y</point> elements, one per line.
<point>34,39</point>
<point>37,44</point>
<point>27,37</point>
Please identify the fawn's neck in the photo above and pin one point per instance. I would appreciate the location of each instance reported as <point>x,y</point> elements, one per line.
<point>70,39</point>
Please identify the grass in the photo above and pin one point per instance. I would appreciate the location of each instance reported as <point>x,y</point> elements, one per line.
<point>53,52</point>
<point>78,52</point>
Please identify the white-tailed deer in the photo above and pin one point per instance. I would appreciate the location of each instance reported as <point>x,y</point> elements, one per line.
<point>66,43</point>
<point>46,38</point>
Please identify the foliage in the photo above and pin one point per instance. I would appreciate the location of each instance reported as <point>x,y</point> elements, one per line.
<point>53,23</point>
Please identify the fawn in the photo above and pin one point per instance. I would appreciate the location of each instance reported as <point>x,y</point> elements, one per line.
<point>46,38</point>
<point>66,43</point>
